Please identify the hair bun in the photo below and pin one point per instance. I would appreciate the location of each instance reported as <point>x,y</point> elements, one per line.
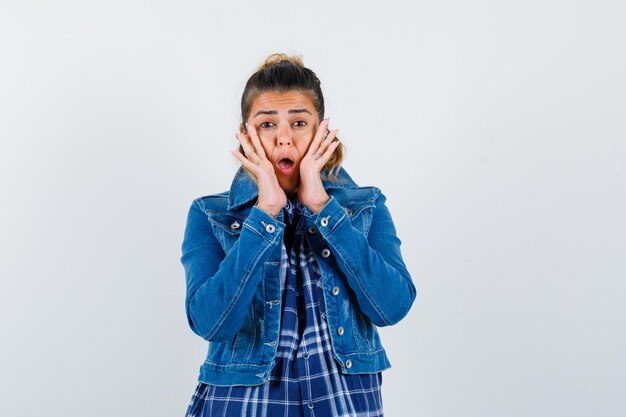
<point>277,58</point>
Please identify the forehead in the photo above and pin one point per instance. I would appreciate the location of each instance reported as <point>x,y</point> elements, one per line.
<point>273,100</point>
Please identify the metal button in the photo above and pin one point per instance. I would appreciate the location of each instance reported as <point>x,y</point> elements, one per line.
<point>311,405</point>
<point>312,229</point>
<point>324,221</point>
<point>335,291</point>
<point>235,225</point>
<point>325,252</point>
<point>270,228</point>
<point>340,331</point>
<point>305,355</point>
<point>349,211</point>
<point>348,363</point>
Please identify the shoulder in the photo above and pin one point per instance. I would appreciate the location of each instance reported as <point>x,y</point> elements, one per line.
<point>212,202</point>
<point>355,195</point>
<point>214,208</point>
<point>346,190</point>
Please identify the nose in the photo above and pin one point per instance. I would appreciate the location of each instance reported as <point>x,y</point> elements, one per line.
<point>284,136</point>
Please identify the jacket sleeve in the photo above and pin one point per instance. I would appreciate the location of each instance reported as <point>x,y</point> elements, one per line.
<point>373,265</point>
<point>220,287</point>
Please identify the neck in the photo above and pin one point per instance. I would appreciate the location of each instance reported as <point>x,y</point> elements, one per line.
<point>291,194</point>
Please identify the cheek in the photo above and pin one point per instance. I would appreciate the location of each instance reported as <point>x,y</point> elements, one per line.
<point>304,143</point>
<point>267,146</point>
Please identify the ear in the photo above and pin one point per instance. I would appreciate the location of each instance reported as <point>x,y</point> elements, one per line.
<point>242,128</point>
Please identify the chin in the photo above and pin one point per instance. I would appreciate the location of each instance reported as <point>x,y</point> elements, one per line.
<point>289,188</point>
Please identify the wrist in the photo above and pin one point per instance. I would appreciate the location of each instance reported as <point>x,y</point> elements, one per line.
<point>316,208</point>
<point>267,210</point>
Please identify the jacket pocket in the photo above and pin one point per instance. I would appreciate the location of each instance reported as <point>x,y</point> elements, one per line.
<point>226,227</point>
<point>248,342</point>
<point>244,340</point>
<point>360,214</point>
<point>361,328</point>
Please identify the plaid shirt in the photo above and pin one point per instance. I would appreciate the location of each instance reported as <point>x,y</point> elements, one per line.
<point>305,380</point>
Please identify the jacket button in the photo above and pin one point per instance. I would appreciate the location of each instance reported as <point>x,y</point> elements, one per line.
<point>235,225</point>
<point>270,228</point>
<point>349,211</point>
<point>340,331</point>
<point>335,291</point>
<point>324,221</point>
<point>312,229</point>
<point>325,253</point>
<point>348,363</point>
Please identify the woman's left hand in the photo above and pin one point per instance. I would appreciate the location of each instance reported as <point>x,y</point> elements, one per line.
<point>311,192</point>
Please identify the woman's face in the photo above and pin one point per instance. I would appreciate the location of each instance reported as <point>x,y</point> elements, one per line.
<point>286,123</point>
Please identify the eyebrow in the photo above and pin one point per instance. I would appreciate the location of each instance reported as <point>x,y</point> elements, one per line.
<point>275,112</point>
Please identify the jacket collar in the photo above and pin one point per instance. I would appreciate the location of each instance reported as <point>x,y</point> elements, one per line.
<point>243,189</point>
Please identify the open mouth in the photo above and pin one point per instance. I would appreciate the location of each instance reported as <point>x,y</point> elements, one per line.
<point>285,163</point>
<point>286,166</point>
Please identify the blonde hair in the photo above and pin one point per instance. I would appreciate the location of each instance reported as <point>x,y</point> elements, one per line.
<point>281,72</point>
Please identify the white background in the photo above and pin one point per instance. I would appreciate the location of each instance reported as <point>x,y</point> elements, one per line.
<point>496,130</point>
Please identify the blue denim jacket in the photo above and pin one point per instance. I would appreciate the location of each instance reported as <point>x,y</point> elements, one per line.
<point>231,256</point>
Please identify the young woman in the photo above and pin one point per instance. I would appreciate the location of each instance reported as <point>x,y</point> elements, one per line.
<point>289,272</point>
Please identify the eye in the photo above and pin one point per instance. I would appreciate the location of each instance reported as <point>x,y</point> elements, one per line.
<point>300,123</point>
<point>265,125</point>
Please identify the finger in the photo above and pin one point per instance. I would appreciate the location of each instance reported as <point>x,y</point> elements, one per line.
<point>246,164</point>
<point>327,141</point>
<point>330,137</point>
<point>247,147</point>
<point>319,136</point>
<point>329,152</point>
<point>256,142</point>
<point>244,161</point>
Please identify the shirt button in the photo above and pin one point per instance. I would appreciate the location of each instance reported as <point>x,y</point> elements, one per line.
<point>348,363</point>
<point>270,228</point>
<point>325,253</point>
<point>305,355</point>
<point>311,405</point>
<point>340,330</point>
<point>324,221</point>
<point>335,291</point>
<point>312,229</point>
<point>235,225</point>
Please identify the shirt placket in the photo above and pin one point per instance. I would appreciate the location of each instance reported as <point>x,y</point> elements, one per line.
<point>296,278</point>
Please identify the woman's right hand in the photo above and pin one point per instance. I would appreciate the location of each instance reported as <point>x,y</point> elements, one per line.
<point>272,197</point>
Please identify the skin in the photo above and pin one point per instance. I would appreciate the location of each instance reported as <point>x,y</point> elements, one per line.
<point>298,135</point>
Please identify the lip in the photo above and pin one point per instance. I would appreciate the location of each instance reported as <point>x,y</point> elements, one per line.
<point>283,169</point>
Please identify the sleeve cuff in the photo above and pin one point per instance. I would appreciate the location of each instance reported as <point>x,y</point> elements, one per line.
<point>328,217</point>
<point>265,225</point>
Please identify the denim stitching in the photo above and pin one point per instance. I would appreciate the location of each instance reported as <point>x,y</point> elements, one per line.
<point>251,345</point>
<point>235,298</point>
<point>356,277</point>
